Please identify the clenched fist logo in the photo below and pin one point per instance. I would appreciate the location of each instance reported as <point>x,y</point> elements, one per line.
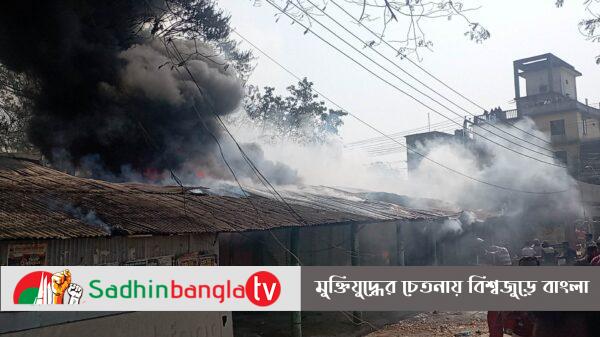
<point>60,283</point>
<point>75,292</point>
<point>54,288</point>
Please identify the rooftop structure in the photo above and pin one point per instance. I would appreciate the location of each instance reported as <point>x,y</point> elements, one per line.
<point>551,86</point>
<point>415,141</point>
<point>39,202</point>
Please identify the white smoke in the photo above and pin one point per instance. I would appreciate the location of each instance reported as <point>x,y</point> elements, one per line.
<point>89,217</point>
<point>530,186</point>
<point>329,164</point>
<point>326,163</point>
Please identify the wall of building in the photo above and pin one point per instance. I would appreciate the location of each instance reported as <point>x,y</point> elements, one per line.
<point>420,142</point>
<point>318,245</point>
<point>576,133</point>
<point>569,142</point>
<point>572,125</point>
<point>592,128</point>
<point>330,245</point>
<point>563,82</point>
<point>116,250</point>
<point>590,196</point>
<point>567,83</point>
<point>137,324</point>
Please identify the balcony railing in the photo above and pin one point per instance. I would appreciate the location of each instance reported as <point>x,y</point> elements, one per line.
<point>536,105</point>
<point>495,116</point>
<point>550,102</point>
<point>511,114</point>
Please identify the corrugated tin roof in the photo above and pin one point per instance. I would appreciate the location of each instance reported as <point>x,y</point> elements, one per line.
<point>39,202</point>
<point>359,203</point>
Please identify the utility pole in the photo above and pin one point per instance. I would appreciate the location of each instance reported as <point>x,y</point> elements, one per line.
<point>434,244</point>
<point>296,319</point>
<point>399,246</point>
<point>355,261</point>
<point>428,122</point>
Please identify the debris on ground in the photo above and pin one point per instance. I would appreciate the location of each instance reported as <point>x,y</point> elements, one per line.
<point>434,324</point>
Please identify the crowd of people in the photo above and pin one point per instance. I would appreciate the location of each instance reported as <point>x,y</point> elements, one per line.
<point>542,253</point>
<point>548,255</point>
<point>563,254</point>
<point>536,253</point>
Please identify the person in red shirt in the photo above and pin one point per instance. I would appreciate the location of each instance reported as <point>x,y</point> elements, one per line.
<point>516,323</point>
<point>591,252</point>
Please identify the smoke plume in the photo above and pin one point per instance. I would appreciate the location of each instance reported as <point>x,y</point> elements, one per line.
<point>111,102</point>
<point>553,191</point>
<point>329,164</point>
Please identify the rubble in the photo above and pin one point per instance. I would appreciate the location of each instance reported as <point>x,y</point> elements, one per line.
<point>434,324</point>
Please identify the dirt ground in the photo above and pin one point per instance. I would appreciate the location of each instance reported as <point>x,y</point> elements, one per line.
<point>433,324</point>
<point>336,324</point>
<point>314,324</point>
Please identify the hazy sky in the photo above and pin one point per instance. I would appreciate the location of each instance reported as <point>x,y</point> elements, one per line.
<point>483,72</point>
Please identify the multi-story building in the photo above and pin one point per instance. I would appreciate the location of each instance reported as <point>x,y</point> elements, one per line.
<point>550,101</point>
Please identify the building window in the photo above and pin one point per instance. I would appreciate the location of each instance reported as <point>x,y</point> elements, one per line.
<point>557,128</point>
<point>584,126</point>
<point>561,156</point>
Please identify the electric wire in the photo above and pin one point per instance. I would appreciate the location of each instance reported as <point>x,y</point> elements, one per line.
<point>270,188</point>
<point>380,38</point>
<point>418,80</point>
<point>411,86</point>
<point>381,133</point>
<point>182,63</point>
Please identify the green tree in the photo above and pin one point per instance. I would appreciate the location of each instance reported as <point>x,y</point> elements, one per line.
<point>299,116</point>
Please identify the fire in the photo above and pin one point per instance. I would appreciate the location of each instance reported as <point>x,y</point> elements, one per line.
<point>154,174</point>
<point>200,174</point>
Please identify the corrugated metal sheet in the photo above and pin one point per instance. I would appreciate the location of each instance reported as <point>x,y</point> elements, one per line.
<point>359,203</point>
<point>117,250</point>
<point>39,202</point>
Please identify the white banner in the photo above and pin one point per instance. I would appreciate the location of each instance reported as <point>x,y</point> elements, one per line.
<point>124,288</point>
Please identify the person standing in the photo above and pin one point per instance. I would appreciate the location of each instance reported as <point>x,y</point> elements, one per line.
<point>591,251</point>
<point>548,254</point>
<point>527,250</point>
<point>500,256</point>
<point>569,255</point>
<point>537,247</point>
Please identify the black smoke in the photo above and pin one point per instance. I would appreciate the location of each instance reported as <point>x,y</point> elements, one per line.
<point>107,92</point>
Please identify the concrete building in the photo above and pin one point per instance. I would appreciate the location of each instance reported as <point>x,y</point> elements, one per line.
<point>546,92</point>
<point>551,101</point>
<point>418,140</point>
<point>571,124</point>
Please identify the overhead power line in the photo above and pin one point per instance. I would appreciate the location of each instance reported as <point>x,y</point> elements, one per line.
<point>411,86</point>
<point>380,38</point>
<point>384,146</point>
<point>379,141</point>
<point>370,45</point>
<point>455,171</point>
<point>263,180</point>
